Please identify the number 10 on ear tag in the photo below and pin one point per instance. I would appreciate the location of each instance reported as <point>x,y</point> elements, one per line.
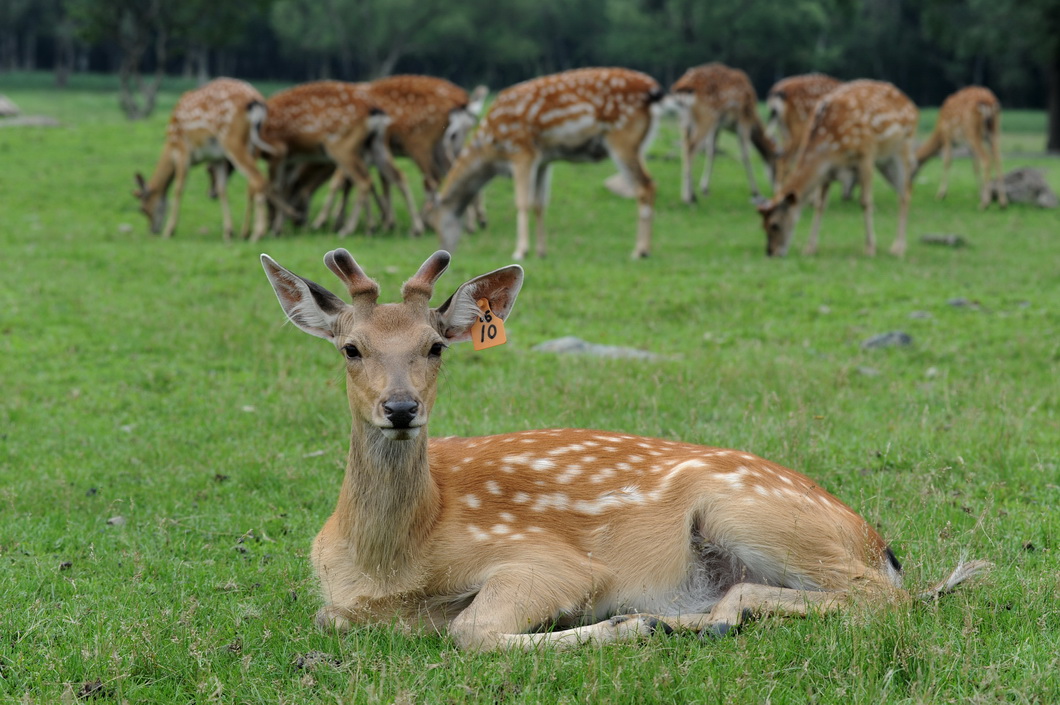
<point>488,330</point>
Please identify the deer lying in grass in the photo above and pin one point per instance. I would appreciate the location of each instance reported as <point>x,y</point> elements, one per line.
<point>603,535</point>
<point>971,116</point>
<point>858,126</point>
<point>218,123</point>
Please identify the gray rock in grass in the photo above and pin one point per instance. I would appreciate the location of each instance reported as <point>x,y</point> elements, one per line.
<point>573,345</point>
<point>891,339</point>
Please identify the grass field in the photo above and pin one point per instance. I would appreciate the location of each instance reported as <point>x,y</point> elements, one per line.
<point>155,381</point>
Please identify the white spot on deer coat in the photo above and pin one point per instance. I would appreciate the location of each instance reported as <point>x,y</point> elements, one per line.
<point>472,501</point>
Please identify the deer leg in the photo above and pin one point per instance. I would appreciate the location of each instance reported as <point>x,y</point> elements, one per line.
<point>277,176</point>
<point>625,150</point>
<point>344,203</point>
<point>982,171</point>
<point>257,187</point>
<point>905,195</point>
<point>219,177</point>
<point>523,173</point>
<point>745,156</point>
<point>542,191</point>
<point>820,201</point>
<point>689,143</point>
<point>995,150</point>
<point>477,212</point>
<point>711,147</point>
<point>947,159</point>
<point>334,184</point>
<point>865,179</point>
<point>521,598</point>
<point>385,202</point>
<point>181,173</point>
<point>390,173</point>
<point>742,602</point>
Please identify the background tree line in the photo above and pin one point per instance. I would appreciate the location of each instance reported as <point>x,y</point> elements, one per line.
<point>927,47</point>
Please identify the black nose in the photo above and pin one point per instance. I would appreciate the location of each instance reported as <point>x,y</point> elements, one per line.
<point>400,413</point>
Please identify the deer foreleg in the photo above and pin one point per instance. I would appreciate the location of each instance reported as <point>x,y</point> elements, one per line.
<point>219,172</point>
<point>711,148</point>
<point>947,159</point>
<point>820,201</point>
<point>689,144</point>
<point>523,178</point>
<point>519,599</point>
<point>745,156</point>
<point>181,173</point>
<point>324,216</point>
<point>257,187</point>
<point>542,189</point>
<point>865,179</point>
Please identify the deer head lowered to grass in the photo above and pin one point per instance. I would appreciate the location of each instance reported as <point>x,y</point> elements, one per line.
<point>604,536</point>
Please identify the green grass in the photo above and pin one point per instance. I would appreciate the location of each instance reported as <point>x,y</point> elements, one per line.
<point>155,381</point>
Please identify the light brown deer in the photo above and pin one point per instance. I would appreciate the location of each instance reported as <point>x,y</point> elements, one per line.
<point>970,116</point>
<point>490,538</point>
<point>858,126</point>
<point>580,115</point>
<point>324,121</point>
<point>715,97</point>
<point>429,118</point>
<point>217,122</point>
<point>791,102</point>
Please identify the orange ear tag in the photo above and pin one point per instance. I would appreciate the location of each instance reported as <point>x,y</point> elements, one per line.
<point>488,330</point>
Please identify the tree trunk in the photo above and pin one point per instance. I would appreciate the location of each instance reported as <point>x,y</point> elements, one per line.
<point>1052,77</point>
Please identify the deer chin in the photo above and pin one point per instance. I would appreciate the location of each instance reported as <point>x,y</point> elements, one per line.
<point>401,434</point>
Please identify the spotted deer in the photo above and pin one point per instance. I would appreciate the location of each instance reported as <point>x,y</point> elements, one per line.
<point>429,118</point>
<point>858,126</point>
<point>218,124</point>
<point>555,537</point>
<point>576,116</point>
<point>324,121</point>
<point>715,97</point>
<point>790,103</point>
<point>971,116</point>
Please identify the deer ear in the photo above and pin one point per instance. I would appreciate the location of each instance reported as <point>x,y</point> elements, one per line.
<point>308,305</point>
<point>454,318</point>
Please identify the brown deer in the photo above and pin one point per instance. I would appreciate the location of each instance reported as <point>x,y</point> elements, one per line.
<point>218,124</point>
<point>490,538</point>
<point>580,115</point>
<point>858,126</point>
<point>430,117</point>
<point>715,97</point>
<point>324,121</point>
<point>971,116</point>
<point>791,102</point>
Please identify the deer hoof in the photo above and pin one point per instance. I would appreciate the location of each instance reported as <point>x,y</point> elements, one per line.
<point>333,618</point>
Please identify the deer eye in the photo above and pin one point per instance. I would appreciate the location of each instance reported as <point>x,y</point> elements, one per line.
<point>436,350</point>
<point>352,353</point>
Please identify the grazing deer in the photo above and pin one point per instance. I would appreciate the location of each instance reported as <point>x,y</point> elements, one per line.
<point>429,118</point>
<point>972,115</point>
<point>791,102</point>
<point>218,123</point>
<point>490,538</point>
<point>576,116</point>
<point>858,126</point>
<point>324,121</point>
<point>715,97</point>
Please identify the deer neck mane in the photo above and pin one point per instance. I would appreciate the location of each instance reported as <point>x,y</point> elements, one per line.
<point>388,501</point>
